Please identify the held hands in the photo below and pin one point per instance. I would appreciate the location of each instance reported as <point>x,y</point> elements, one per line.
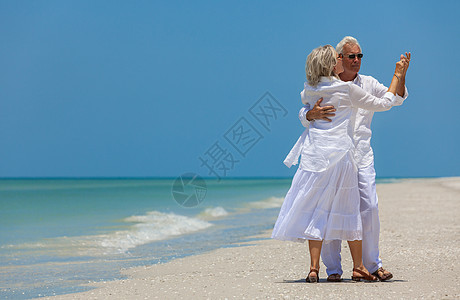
<point>320,113</point>
<point>402,65</point>
<point>406,60</point>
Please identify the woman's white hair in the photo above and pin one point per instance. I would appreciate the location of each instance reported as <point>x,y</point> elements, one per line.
<point>320,62</point>
<point>347,40</point>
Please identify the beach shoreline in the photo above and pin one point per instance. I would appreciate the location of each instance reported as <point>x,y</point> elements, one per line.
<point>419,244</point>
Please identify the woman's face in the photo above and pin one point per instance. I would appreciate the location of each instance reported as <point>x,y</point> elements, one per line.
<point>338,67</point>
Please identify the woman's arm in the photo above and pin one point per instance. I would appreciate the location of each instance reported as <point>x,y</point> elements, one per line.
<point>359,98</point>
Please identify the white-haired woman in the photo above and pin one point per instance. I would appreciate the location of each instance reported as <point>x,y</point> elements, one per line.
<point>323,201</point>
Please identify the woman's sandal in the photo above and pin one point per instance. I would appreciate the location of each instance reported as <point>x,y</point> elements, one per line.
<point>382,274</point>
<point>365,276</point>
<point>313,279</point>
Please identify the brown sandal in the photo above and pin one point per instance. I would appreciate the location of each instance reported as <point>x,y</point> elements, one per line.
<point>381,275</point>
<point>313,279</point>
<point>365,276</point>
<point>334,278</point>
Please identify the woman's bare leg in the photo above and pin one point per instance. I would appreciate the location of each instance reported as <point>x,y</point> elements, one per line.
<point>356,249</point>
<point>315,253</point>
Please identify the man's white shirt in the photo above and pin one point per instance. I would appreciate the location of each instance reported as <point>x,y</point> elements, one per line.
<point>362,133</point>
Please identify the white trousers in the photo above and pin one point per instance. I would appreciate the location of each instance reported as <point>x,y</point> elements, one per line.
<point>369,209</point>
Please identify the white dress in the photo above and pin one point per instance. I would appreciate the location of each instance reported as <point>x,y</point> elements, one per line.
<point>323,201</point>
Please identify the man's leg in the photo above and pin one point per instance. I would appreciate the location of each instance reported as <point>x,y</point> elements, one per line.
<point>330,254</point>
<point>370,218</point>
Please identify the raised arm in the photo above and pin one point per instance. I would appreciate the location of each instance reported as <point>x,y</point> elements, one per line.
<point>378,90</point>
<point>401,90</point>
<point>359,98</point>
<point>400,72</point>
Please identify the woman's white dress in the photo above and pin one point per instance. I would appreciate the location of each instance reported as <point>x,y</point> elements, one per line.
<point>323,201</point>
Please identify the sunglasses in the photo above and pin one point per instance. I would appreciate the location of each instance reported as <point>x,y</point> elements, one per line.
<point>352,56</point>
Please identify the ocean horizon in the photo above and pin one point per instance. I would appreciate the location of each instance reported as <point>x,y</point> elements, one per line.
<point>59,234</point>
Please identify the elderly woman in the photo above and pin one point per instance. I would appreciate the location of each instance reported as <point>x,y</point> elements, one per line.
<point>323,201</point>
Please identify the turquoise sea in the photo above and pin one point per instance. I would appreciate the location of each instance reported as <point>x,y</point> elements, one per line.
<point>57,235</point>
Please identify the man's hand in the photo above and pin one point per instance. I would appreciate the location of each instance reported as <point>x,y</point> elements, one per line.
<point>320,113</point>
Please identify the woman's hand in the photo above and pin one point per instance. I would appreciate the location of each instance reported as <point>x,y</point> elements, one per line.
<point>406,61</point>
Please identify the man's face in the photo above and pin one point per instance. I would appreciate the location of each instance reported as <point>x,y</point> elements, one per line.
<point>351,65</point>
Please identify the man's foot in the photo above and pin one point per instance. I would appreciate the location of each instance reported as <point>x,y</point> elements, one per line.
<point>382,274</point>
<point>334,278</point>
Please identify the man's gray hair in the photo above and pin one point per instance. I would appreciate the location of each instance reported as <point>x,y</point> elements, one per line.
<point>347,40</point>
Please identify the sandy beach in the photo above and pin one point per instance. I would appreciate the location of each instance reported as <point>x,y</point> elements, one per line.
<point>419,244</point>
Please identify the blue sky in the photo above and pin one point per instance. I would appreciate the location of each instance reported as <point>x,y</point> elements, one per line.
<point>146,88</point>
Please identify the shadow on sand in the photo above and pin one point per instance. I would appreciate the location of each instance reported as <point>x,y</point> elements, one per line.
<point>344,280</point>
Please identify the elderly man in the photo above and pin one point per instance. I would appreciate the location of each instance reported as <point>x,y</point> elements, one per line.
<point>350,50</point>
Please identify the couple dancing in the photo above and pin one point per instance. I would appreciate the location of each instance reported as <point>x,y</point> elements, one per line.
<point>332,196</point>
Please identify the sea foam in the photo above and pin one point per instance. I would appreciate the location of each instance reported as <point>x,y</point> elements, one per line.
<point>150,227</point>
<point>153,226</point>
<point>213,212</point>
<point>271,202</point>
